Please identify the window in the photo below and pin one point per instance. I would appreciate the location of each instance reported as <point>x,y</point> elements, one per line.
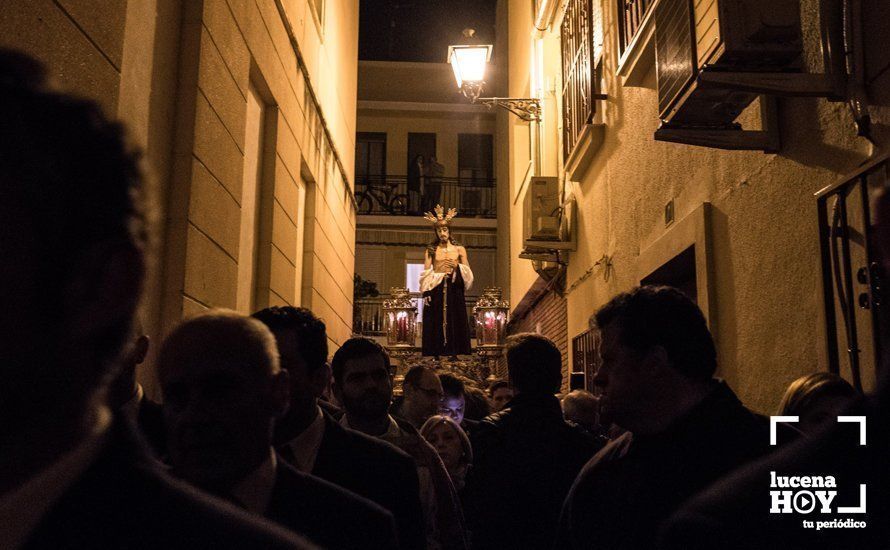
<point>585,360</point>
<point>474,159</point>
<point>370,156</point>
<point>582,48</point>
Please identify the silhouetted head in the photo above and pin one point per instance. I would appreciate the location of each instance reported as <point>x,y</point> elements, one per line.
<point>816,398</point>
<point>534,364</point>
<point>656,344</point>
<point>73,238</point>
<point>303,348</point>
<point>223,388</point>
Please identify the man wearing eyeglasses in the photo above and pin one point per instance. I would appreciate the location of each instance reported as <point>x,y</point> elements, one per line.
<point>422,394</point>
<point>363,385</point>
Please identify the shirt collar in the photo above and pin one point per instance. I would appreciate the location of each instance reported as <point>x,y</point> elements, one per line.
<point>254,491</point>
<point>22,509</point>
<point>305,446</point>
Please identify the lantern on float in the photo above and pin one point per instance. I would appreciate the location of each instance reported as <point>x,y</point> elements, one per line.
<point>400,315</point>
<point>492,314</point>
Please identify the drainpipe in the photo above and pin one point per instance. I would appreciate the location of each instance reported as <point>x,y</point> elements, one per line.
<point>544,16</point>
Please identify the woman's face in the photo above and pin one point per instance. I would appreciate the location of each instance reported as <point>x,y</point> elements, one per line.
<point>447,444</point>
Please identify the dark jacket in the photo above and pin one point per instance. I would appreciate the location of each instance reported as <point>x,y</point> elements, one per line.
<point>328,515</point>
<point>636,482</point>
<point>736,510</point>
<point>377,471</point>
<point>124,500</point>
<point>526,457</point>
<point>445,520</point>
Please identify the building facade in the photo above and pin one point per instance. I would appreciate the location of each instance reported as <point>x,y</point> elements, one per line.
<point>245,112</point>
<point>674,187</point>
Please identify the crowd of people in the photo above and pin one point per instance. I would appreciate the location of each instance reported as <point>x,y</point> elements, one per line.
<point>263,440</point>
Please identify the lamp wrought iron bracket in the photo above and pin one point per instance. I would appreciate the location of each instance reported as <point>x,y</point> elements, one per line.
<point>526,108</point>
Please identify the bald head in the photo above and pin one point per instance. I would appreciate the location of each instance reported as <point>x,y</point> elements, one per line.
<point>221,336</point>
<point>223,388</point>
<point>581,407</point>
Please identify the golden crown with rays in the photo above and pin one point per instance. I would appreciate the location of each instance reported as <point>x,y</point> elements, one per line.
<point>441,217</point>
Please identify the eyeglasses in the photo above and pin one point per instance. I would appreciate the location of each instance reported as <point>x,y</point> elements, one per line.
<point>432,393</point>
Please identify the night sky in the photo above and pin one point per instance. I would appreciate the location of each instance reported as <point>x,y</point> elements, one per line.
<point>420,30</point>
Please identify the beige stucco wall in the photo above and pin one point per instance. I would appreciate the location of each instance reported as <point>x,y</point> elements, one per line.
<point>178,74</point>
<point>764,243</point>
<point>519,22</point>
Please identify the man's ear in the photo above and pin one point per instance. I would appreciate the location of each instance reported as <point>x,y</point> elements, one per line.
<point>280,398</point>
<point>105,288</point>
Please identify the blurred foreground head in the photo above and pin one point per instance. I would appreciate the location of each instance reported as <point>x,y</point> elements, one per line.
<point>72,236</point>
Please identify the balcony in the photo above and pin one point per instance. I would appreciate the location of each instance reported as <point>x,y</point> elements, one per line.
<point>636,40</point>
<point>631,15</point>
<point>388,195</point>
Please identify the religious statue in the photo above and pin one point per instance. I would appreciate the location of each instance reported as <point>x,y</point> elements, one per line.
<point>445,278</point>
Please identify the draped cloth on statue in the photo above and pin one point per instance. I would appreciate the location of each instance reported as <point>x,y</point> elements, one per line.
<point>445,327</point>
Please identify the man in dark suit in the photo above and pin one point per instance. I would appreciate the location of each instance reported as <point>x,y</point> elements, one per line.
<point>73,239</point>
<point>526,455</point>
<point>223,388</point>
<point>315,443</point>
<point>686,429</point>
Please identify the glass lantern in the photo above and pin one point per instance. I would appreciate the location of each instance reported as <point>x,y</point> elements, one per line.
<point>492,314</point>
<point>400,314</point>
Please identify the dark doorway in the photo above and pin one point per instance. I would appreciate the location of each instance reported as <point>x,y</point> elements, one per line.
<point>420,144</point>
<point>421,148</point>
<point>678,272</point>
<point>475,159</point>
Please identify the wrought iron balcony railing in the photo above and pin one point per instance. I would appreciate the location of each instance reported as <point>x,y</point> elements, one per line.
<point>368,315</point>
<point>631,14</point>
<point>853,281</point>
<point>392,195</point>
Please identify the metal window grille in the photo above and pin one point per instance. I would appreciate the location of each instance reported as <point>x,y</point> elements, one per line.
<point>586,356</point>
<point>582,44</point>
<point>630,17</point>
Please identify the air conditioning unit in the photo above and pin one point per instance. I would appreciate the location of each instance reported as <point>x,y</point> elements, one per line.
<point>542,209</point>
<point>693,37</point>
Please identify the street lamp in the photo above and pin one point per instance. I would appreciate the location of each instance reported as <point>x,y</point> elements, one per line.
<point>469,61</point>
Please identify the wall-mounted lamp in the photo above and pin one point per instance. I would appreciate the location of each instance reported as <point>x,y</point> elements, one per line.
<point>469,62</point>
